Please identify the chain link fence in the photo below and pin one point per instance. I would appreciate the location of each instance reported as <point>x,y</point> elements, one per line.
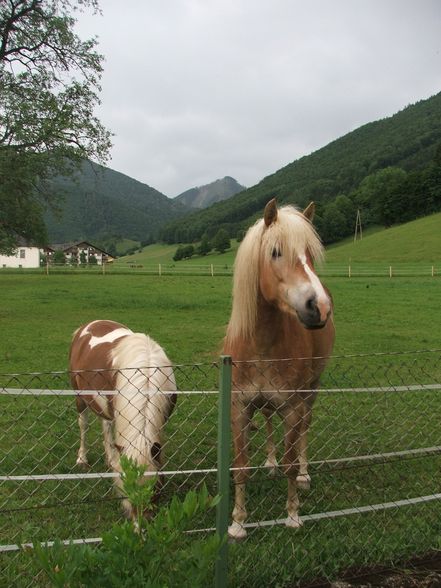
<point>374,453</point>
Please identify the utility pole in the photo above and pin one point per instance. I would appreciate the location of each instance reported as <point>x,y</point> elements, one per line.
<point>358,228</point>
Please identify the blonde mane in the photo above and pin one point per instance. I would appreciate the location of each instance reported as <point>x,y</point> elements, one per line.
<point>291,233</point>
<point>141,409</point>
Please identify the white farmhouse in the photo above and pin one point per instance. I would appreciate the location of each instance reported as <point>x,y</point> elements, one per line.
<point>26,257</point>
<point>80,252</point>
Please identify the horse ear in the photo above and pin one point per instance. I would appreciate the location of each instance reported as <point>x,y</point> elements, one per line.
<point>270,213</point>
<point>309,211</point>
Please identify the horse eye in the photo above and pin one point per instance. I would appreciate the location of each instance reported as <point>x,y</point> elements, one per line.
<point>276,253</point>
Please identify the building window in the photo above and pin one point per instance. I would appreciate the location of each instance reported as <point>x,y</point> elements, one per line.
<point>22,253</point>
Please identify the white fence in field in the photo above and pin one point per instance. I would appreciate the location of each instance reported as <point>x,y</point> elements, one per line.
<point>182,268</point>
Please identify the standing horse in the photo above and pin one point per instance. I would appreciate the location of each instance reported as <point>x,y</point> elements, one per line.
<point>280,310</point>
<point>105,355</point>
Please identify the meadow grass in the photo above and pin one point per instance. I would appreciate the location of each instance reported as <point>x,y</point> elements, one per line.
<point>188,315</point>
<point>416,241</point>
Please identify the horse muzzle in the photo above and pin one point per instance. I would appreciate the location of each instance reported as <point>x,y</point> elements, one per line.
<point>314,314</point>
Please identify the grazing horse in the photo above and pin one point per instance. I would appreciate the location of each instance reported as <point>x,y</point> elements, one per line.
<point>280,333</point>
<point>105,355</point>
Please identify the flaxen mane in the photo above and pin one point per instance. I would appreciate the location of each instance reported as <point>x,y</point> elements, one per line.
<point>291,234</point>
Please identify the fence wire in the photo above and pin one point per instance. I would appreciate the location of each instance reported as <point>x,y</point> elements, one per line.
<point>374,457</point>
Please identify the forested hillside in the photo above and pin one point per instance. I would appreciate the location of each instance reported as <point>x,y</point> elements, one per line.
<point>100,203</point>
<point>389,169</point>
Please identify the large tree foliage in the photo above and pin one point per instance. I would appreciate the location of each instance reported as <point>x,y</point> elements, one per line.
<point>49,86</point>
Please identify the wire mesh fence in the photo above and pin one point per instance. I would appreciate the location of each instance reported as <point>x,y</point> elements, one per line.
<point>374,457</point>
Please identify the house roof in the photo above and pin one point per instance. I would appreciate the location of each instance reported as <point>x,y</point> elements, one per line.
<point>75,245</point>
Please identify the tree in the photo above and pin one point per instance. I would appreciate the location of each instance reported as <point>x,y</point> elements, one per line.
<point>179,254</point>
<point>59,257</point>
<point>221,241</point>
<point>188,251</point>
<point>205,246</point>
<point>49,84</point>
<point>333,223</point>
<point>382,193</point>
<point>240,235</point>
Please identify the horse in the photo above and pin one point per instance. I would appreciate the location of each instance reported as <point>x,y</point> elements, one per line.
<point>280,334</point>
<point>105,355</point>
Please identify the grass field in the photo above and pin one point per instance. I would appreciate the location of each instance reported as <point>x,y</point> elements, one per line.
<point>188,315</point>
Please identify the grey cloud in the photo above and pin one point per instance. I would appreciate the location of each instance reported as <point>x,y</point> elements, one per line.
<point>195,90</point>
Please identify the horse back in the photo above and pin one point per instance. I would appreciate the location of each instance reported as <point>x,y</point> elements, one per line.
<point>90,363</point>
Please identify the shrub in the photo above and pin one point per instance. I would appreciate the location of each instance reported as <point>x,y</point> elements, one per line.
<point>221,241</point>
<point>150,554</point>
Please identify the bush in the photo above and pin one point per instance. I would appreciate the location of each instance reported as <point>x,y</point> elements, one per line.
<point>179,254</point>
<point>148,554</point>
<point>205,246</point>
<point>59,258</point>
<point>221,241</point>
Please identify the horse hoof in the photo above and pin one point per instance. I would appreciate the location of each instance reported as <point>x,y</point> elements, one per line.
<point>293,522</point>
<point>236,532</point>
<point>82,463</point>
<point>303,482</point>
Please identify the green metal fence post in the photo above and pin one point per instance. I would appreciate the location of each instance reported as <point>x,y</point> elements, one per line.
<point>223,467</point>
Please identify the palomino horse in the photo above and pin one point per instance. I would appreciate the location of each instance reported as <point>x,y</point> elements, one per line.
<point>280,310</point>
<point>105,355</point>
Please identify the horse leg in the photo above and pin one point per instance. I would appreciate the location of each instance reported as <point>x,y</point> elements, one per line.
<point>304,479</point>
<point>271,460</point>
<point>240,425</point>
<point>292,424</point>
<point>83,424</point>
<point>112,457</point>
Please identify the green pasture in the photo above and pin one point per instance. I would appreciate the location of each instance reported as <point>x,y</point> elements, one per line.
<point>159,253</point>
<point>187,315</point>
<point>418,241</point>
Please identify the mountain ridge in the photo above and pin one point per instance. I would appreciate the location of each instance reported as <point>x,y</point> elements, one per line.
<point>408,139</point>
<point>99,201</point>
<point>208,194</point>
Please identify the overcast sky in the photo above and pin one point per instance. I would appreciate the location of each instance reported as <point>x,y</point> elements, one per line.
<point>195,90</point>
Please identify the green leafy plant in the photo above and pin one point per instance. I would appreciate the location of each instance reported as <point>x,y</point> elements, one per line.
<point>148,553</point>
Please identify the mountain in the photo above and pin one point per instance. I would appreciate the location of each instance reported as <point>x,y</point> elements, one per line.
<point>205,196</point>
<point>406,140</point>
<point>98,202</point>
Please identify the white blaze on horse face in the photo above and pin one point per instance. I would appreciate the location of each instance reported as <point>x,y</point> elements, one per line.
<point>323,302</point>
<point>305,287</point>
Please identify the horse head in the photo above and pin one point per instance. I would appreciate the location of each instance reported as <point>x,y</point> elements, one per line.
<point>287,278</point>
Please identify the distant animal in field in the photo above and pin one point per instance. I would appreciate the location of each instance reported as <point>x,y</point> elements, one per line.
<point>106,355</point>
<point>280,334</point>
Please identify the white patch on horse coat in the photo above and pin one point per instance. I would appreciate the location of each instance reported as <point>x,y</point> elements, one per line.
<point>109,337</point>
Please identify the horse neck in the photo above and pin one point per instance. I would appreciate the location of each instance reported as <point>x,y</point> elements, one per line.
<point>272,336</point>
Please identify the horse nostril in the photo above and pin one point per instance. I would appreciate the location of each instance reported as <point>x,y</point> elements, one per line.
<point>311,304</point>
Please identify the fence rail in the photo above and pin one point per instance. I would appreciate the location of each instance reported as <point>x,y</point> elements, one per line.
<point>374,459</point>
<point>351,270</point>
